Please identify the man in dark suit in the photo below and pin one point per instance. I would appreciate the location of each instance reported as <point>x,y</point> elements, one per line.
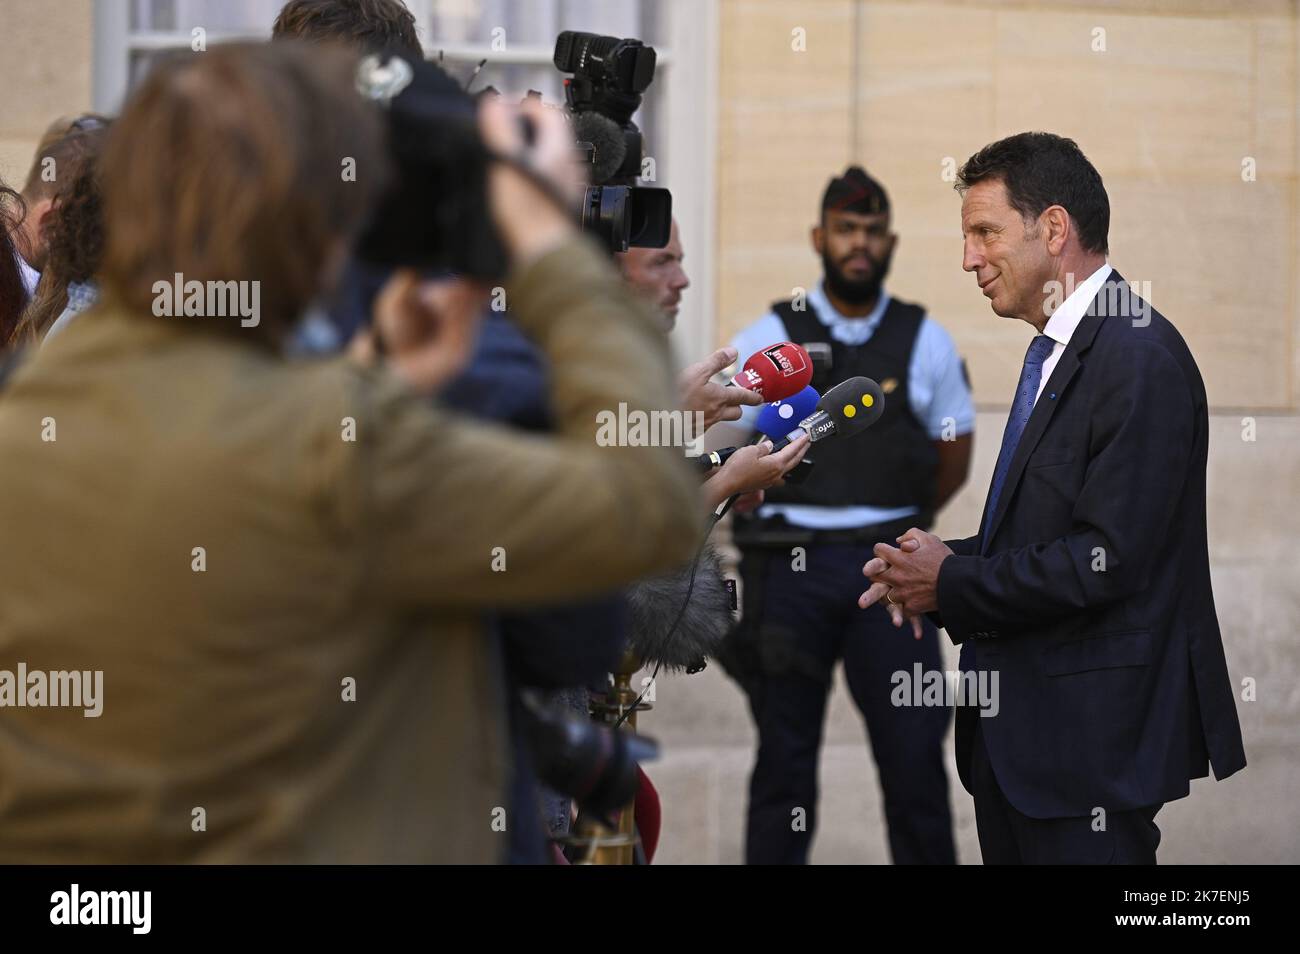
<point>1084,601</point>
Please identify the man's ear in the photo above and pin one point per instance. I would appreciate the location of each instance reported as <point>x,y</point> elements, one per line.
<point>456,309</point>
<point>39,213</point>
<point>429,328</point>
<point>31,230</point>
<point>818,240</point>
<point>459,321</point>
<point>1057,223</point>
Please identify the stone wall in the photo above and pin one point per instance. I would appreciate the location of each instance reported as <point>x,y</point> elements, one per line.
<point>1170,111</point>
<point>45,72</point>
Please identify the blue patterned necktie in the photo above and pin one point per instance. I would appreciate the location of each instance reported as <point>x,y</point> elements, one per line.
<point>1030,377</point>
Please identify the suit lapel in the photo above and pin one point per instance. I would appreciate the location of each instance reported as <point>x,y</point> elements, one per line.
<point>1057,384</point>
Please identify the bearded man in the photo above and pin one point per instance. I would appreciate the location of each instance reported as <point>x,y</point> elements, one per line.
<point>803,550</point>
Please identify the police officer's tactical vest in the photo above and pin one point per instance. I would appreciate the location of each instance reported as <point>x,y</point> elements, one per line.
<point>893,462</point>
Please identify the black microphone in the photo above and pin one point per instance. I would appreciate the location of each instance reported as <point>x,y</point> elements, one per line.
<point>719,457</point>
<point>848,408</point>
<point>713,458</point>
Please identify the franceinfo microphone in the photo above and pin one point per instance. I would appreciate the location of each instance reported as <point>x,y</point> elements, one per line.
<point>846,409</point>
<point>776,372</point>
<point>775,420</point>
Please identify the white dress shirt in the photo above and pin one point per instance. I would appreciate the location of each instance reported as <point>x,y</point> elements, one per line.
<point>1060,327</point>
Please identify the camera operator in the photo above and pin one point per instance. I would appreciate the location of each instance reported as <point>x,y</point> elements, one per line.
<point>280,566</point>
<point>658,275</point>
<point>572,646</point>
<point>504,380</point>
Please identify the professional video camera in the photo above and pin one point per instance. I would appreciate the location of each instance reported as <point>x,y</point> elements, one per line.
<point>608,77</point>
<point>592,763</point>
<point>435,215</point>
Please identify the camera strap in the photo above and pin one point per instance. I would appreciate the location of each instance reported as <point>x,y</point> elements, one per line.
<point>519,162</point>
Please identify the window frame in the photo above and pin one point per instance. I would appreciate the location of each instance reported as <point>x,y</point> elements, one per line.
<point>688,114</point>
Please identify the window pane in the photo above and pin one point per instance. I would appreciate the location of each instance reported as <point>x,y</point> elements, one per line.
<point>534,23</point>
<point>222,16</point>
<point>527,24</point>
<point>512,80</point>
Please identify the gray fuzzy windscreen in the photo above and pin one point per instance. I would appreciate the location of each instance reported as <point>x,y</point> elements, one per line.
<point>655,603</point>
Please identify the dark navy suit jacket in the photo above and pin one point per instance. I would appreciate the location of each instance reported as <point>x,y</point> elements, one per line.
<point>1088,590</point>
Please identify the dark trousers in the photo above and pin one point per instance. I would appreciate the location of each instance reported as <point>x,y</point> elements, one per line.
<point>809,620</point>
<point>1008,837</point>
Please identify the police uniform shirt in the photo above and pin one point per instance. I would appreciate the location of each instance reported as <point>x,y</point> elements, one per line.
<point>940,396</point>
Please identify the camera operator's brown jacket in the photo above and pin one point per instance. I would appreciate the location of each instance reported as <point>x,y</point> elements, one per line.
<point>288,620</point>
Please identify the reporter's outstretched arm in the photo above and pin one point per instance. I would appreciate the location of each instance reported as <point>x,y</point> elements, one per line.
<point>753,468</point>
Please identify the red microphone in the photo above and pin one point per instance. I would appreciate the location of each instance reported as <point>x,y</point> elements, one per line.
<point>777,372</point>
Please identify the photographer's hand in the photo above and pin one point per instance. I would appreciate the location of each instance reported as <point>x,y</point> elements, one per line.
<point>717,402</point>
<point>531,221</point>
<point>425,329</point>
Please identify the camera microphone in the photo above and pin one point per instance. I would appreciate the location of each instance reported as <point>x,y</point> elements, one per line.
<point>607,140</point>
